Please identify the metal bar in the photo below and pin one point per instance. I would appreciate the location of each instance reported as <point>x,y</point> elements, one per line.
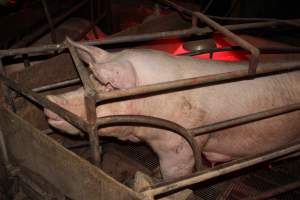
<point>30,38</point>
<point>263,50</point>
<point>139,38</point>
<point>50,22</point>
<point>255,25</point>
<point>207,6</point>
<point>244,119</point>
<point>4,153</point>
<point>274,192</point>
<point>170,86</point>
<point>29,50</point>
<point>223,30</point>
<point>247,19</point>
<point>90,102</point>
<point>57,85</point>
<point>220,170</point>
<point>92,16</point>
<point>157,122</point>
<point>294,155</point>
<point>6,91</point>
<point>145,37</point>
<point>182,33</point>
<point>43,101</point>
<point>82,70</point>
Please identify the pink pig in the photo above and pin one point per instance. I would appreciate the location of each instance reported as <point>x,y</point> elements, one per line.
<point>190,108</point>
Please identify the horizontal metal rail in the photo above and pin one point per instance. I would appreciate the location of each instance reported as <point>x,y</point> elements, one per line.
<point>170,86</point>
<point>57,85</point>
<point>274,192</point>
<point>183,33</point>
<point>222,169</point>
<point>247,19</point>
<point>244,119</point>
<point>263,50</point>
<point>141,37</point>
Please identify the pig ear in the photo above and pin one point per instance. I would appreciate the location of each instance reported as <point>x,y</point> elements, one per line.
<point>119,75</point>
<point>89,54</point>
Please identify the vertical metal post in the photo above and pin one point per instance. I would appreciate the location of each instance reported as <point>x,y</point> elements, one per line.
<point>10,104</point>
<point>50,22</point>
<point>92,16</point>
<point>4,151</point>
<point>90,103</point>
<point>26,60</point>
<point>6,91</point>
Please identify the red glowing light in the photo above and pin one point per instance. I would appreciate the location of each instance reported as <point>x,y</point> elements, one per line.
<point>175,47</point>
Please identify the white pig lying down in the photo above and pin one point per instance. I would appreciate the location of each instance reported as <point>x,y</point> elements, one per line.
<point>190,108</point>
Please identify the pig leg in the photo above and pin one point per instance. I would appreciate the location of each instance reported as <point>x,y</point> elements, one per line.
<point>175,154</point>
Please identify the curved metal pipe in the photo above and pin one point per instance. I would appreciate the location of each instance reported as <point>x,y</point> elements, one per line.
<point>156,122</point>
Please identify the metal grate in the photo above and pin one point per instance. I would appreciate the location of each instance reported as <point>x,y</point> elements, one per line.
<point>253,182</point>
<point>141,153</point>
<point>257,181</point>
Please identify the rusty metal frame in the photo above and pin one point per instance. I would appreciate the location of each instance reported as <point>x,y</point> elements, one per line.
<point>91,128</point>
<point>92,97</point>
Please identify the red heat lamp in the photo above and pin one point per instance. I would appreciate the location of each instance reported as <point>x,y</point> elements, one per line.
<point>176,47</point>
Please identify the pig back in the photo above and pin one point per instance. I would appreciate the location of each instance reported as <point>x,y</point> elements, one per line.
<point>153,66</point>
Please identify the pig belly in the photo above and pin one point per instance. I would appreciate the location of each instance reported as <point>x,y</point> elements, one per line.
<point>253,138</point>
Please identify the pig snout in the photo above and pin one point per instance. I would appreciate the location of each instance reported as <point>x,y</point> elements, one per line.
<point>72,102</point>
